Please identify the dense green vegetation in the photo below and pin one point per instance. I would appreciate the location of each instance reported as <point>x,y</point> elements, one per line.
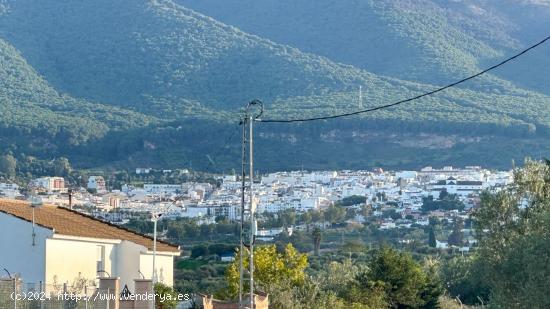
<point>31,107</point>
<point>418,42</point>
<point>152,83</point>
<point>445,202</point>
<point>513,229</point>
<point>429,41</point>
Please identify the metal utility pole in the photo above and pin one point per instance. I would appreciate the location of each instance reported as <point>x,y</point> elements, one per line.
<point>243,185</point>
<point>252,210</point>
<point>249,119</point>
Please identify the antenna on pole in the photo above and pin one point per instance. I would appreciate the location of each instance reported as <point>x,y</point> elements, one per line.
<point>249,118</point>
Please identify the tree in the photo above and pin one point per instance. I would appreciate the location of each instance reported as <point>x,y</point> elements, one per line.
<point>306,219</point>
<point>443,194</point>
<point>432,241</point>
<point>366,210</point>
<point>316,237</point>
<point>525,274</point>
<point>316,216</point>
<point>8,165</point>
<point>220,248</point>
<point>191,229</point>
<point>288,217</point>
<point>463,277</point>
<point>206,230</point>
<point>272,269</point>
<point>62,167</point>
<point>403,281</point>
<point>433,221</point>
<point>167,297</point>
<point>513,228</point>
<point>335,214</point>
<point>353,200</point>
<point>456,237</point>
<point>449,202</point>
<point>391,213</point>
<point>354,246</point>
<point>337,276</point>
<point>199,250</point>
<point>350,213</point>
<point>175,232</point>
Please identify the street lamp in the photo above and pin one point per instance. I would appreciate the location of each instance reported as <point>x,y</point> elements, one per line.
<point>155,216</point>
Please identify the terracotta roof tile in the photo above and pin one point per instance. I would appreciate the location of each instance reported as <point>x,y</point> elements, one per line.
<point>65,221</point>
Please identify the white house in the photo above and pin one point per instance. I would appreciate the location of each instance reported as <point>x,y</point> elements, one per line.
<point>65,245</point>
<point>49,184</point>
<point>97,183</point>
<point>153,188</point>
<point>454,186</point>
<point>143,170</point>
<point>9,190</point>
<point>441,244</point>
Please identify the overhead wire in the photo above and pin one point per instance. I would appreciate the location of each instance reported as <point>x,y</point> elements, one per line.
<point>228,140</point>
<point>425,94</point>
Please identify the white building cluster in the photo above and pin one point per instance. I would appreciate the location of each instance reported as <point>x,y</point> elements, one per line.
<point>297,190</point>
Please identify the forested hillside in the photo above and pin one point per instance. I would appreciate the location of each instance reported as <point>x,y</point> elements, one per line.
<point>428,40</point>
<point>33,109</point>
<point>131,53</point>
<point>154,83</point>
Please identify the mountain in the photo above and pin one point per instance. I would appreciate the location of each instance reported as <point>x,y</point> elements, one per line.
<point>169,83</point>
<point>33,109</point>
<point>428,41</point>
<point>129,53</point>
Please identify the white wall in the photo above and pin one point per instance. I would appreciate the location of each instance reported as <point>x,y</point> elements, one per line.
<point>17,254</point>
<point>128,263</point>
<point>164,264</point>
<point>61,259</point>
<point>68,257</point>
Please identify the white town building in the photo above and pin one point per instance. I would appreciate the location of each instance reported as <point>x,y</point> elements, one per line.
<point>65,245</point>
<point>455,186</point>
<point>97,183</point>
<point>9,190</point>
<point>50,184</point>
<point>166,189</point>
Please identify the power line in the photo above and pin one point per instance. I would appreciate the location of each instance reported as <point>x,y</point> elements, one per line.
<point>212,159</point>
<point>412,98</point>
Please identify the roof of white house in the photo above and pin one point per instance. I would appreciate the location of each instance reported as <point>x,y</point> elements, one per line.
<point>68,222</point>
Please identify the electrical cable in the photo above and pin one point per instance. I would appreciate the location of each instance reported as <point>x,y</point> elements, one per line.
<point>229,139</point>
<point>412,98</point>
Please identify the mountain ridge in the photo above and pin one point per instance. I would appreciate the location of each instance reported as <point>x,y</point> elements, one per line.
<point>427,41</point>
<point>170,81</point>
